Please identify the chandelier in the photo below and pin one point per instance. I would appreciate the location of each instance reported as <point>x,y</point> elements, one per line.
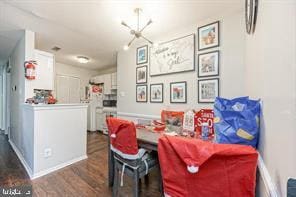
<point>138,32</point>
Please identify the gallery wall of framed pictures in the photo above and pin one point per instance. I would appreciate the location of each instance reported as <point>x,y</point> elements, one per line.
<point>175,57</point>
<point>208,63</point>
<point>141,74</point>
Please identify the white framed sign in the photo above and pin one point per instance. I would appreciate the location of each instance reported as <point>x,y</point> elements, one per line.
<point>173,56</point>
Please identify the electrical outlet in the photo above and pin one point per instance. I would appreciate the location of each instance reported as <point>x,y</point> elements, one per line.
<point>47,152</point>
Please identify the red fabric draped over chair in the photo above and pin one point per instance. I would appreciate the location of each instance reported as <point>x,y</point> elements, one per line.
<point>123,136</point>
<point>192,167</point>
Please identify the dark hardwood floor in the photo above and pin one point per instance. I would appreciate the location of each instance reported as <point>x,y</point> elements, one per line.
<point>84,178</point>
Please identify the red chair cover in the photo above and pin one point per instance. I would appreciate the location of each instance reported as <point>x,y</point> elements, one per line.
<point>192,167</point>
<point>122,135</point>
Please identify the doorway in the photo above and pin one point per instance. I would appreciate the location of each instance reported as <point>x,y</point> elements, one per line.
<point>5,99</point>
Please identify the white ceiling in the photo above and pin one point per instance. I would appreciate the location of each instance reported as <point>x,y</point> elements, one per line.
<point>92,28</point>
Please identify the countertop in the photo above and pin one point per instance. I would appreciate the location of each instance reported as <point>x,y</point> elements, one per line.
<point>54,106</point>
<point>109,109</point>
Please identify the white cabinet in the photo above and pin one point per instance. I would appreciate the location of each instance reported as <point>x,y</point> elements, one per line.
<point>107,83</point>
<point>98,79</point>
<point>44,71</point>
<point>114,81</point>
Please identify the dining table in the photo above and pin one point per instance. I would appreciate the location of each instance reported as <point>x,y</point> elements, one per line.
<point>146,139</point>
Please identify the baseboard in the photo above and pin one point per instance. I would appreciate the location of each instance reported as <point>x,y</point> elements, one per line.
<point>134,115</point>
<point>62,165</point>
<point>43,172</point>
<point>22,159</point>
<point>271,189</point>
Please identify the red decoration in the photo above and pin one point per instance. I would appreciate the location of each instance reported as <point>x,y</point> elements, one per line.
<point>30,67</point>
<point>96,89</point>
<point>192,167</point>
<point>204,115</point>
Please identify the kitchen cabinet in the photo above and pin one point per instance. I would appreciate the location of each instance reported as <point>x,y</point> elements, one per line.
<point>114,81</point>
<point>44,71</point>
<point>107,83</point>
<point>98,79</point>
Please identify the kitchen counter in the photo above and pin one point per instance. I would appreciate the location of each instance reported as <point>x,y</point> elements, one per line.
<point>110,109</point>
<point>54,106</point>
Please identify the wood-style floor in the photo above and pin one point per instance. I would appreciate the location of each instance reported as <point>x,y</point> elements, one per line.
<point>84,178</point>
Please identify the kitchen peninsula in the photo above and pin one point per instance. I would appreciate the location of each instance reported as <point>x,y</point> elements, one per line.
<point>55,136</point>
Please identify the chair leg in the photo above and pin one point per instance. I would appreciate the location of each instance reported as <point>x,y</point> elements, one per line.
<point>116,180</point>
<point>160,182</point>
<point>146,179</point>
<point>136,183</point>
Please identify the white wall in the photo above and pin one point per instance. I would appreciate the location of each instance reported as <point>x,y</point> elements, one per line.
<point>2,96</point>
<point>83,74</point>
<point>271,76</point>
<point>23,51</point>
<point>232,49</point>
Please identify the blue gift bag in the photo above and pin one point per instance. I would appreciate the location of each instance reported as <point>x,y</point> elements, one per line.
<point>237,121</point>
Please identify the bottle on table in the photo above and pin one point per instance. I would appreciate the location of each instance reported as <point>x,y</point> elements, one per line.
<point>205,131</point>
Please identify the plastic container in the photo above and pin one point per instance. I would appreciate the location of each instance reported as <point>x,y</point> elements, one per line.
<point>205,131</point>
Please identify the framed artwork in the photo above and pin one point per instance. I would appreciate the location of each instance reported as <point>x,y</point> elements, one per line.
<point>141,93</point>
<point>142,55</point>
<point>208,64</point>
<point>178,92</point>
<point>174,56</point>
<point>156,93</point>
<point>141,74</point>
<point>208,36</point>
<point>208,90</point>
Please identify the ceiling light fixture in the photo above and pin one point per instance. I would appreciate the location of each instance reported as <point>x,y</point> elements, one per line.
<point>82,59</point>
<point>138,32</point>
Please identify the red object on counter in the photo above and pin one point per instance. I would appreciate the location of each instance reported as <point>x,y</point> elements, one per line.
<point>51,100</point>
<point>204,115</point>
<point>196,168</point>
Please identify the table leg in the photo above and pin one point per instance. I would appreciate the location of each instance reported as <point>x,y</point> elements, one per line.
<point>110,165</point>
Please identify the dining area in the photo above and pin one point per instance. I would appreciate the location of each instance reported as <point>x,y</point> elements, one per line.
<point>183,151</point>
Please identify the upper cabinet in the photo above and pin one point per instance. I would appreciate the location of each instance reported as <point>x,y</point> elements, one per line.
<point>114,81</point>
<point>44,70</point>
<point>109,81</point>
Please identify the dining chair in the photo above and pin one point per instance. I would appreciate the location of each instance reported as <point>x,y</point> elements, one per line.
<point>128,158</point>
<point>196,168</point>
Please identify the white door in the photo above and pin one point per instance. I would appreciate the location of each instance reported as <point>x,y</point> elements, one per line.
<point>74,90</point>
<point>68,89</point>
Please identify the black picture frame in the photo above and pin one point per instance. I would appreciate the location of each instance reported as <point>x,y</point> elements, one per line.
<point>198,64</point>
<point>146,54</point>
<point>146,99</point>
<point>198,90</point>
<point>170,73</point>
<point>198,35</point>
<point>146,75</point>
<point>155,84</point>
<point>185,85</point>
